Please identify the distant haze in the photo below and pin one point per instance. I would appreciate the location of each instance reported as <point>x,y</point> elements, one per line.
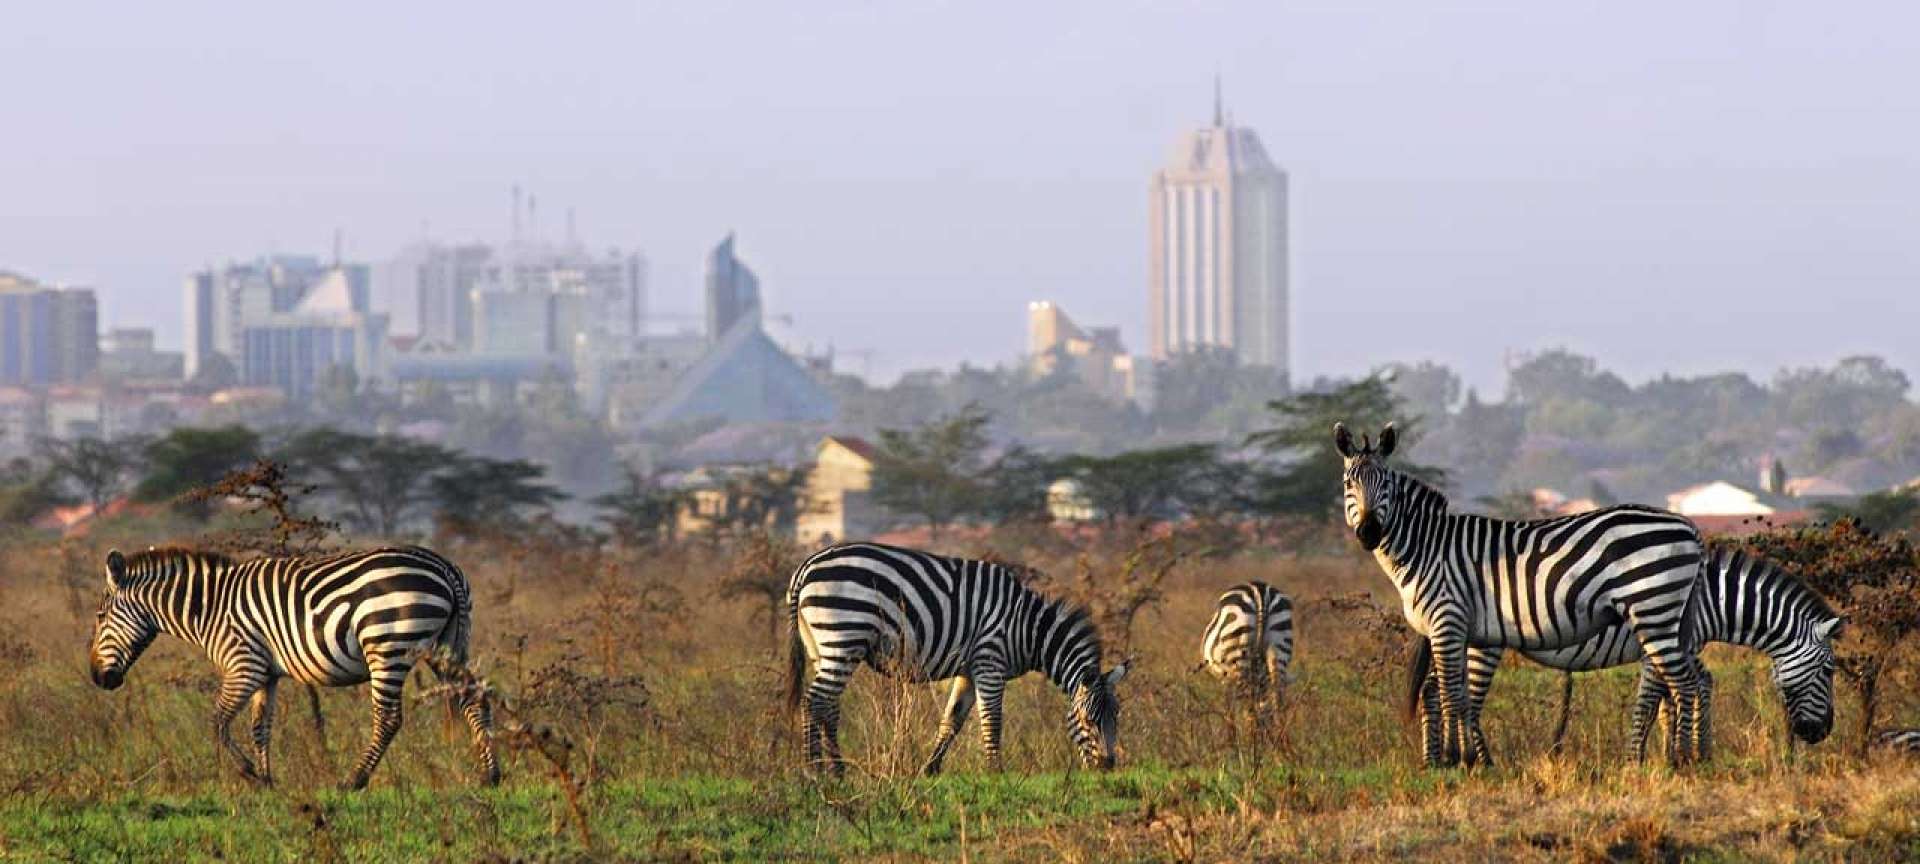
<point>1667,186</point>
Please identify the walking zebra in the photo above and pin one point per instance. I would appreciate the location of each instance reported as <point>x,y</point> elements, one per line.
<point>332,621</point>
<point>1250,641</point>
<point>1741,600</point>
<point>1552,583</point>
<point>928,617</point>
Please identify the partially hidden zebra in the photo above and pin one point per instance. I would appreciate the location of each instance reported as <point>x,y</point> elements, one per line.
<point>1552,583</point>
<point>926,617</point>
<point>339,620</point>
<point>1741,599</point>
<point>1249,643</point>
<point>1901,740</point>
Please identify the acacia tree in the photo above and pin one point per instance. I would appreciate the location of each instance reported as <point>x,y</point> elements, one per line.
<point>1308,481</point>
<point>100,469</point>
<point>474,491</point>
<point>384,481</point>
<point>188,458</point>
<point>934,471</point>
<point>1140,485</point>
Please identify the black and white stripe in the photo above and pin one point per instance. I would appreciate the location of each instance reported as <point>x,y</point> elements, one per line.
<point>1467,579</point>
<point>1250,640</point>
<point>1901,740</point>
<point>927,617</point>
<point>335,621</point>
<point>1740,600</point>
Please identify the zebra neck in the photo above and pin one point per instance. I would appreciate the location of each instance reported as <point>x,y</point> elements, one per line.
<point>186,599</point>
<point>1423,517</point>
<point>1056,640</point>
<point>1755,605</point>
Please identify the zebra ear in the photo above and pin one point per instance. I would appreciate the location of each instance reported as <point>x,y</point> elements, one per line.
<point>116,569</point>
<point>1388,435</point>
<point>1830,629</point>
<point>1343,440</point>
<point>1119,672</point>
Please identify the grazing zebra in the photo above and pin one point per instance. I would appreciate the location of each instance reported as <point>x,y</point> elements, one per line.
<point>1903,740</point>
<point>1551,583</point>
<point>1741,600</point>
<point>334,621</point>
<point>928,617</point>
<point>1250,641</point>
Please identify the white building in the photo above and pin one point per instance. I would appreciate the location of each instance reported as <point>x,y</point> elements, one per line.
<point>1718,498</point>
<point>1218,270</point>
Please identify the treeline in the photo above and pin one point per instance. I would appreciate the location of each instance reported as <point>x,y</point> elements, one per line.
<point>1564,423</point>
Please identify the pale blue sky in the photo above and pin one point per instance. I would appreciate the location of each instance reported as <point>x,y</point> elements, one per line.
<point>1668,186</point>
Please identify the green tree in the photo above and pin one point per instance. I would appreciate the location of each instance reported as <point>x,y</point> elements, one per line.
<point>384,481</point>
<point>1308,479</point>
<point>475,491</point>
<point>26,491</point>
<point>933,471</point>
<point>1015,488</point>
<point>643,512</point>
<point>760,499</point>
<point>188,458</point>
<point>98,469</point>
<point>1428,390</point>
<point>1141,485</point>
<point>1892,510</point>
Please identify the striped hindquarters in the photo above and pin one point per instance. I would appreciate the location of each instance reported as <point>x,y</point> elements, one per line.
<point>1250,639</point>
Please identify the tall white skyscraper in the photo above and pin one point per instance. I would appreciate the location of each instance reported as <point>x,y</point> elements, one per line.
<point>1217,267</point>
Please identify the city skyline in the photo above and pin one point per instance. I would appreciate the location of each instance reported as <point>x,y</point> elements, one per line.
<point>1459,175</point>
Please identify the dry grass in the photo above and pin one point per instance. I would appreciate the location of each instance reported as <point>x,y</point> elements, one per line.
<point>664,690</point>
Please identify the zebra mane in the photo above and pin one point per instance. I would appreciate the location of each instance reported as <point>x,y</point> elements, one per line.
<point>163,558</point>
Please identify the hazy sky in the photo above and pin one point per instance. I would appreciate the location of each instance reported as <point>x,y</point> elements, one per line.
<point>1669,186</point>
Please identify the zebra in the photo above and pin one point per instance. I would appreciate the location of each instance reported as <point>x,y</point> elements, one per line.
<point>1250,640</point>
<point>1551,583</point>
<point>1741,599</point>
<point>926,617</point>
<point>1901,740</point>
<point>332,621</point>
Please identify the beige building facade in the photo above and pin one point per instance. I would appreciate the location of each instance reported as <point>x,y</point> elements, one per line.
<point>1219,256</point>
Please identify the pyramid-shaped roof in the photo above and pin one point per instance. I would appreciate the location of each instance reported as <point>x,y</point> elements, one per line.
<point>744,378</point>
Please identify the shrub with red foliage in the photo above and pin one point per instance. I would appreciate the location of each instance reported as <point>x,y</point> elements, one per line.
<point>1872,579</point>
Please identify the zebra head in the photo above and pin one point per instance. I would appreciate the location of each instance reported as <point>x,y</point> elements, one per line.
<point>1804,674</point>
<point>122,628</point>
<point>1367,486</point>
<point>1094,718</point>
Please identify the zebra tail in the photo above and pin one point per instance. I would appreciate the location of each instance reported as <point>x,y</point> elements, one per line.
<point>796,649</point>
<point>459,628</point>
<point>1419,667</point>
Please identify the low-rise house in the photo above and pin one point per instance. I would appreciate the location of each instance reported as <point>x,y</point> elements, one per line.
<point>839,496</point>
<point>1718,498</point>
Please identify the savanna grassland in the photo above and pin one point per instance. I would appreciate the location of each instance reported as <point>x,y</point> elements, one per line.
<point>641,719</point>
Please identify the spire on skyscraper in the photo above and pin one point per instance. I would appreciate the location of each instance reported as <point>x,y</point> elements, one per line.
<point>1219,112</point>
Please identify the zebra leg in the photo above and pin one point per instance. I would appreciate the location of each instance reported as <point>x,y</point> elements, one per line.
<point>385,681</point>
<point>959,703</point>
<point>1680,670</point>
<point>1450,667</point>
<point>990,686</point>
<point>1481,664</point>
<point>478,714</point>
<point>238,686</point>
<point>1703,717</point>
<point>262,705</point>
<point>1432,737</point>
<point>830,678</point>
<point>1646,711</point>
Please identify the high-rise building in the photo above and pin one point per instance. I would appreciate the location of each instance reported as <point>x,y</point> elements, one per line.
<point>48,335</point>
<point>446,279</point>
<point>329,329</point>
<point>223,302</point>
<point>1095,354</point>
<point>1218,260</point>
<point>733,292</point>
